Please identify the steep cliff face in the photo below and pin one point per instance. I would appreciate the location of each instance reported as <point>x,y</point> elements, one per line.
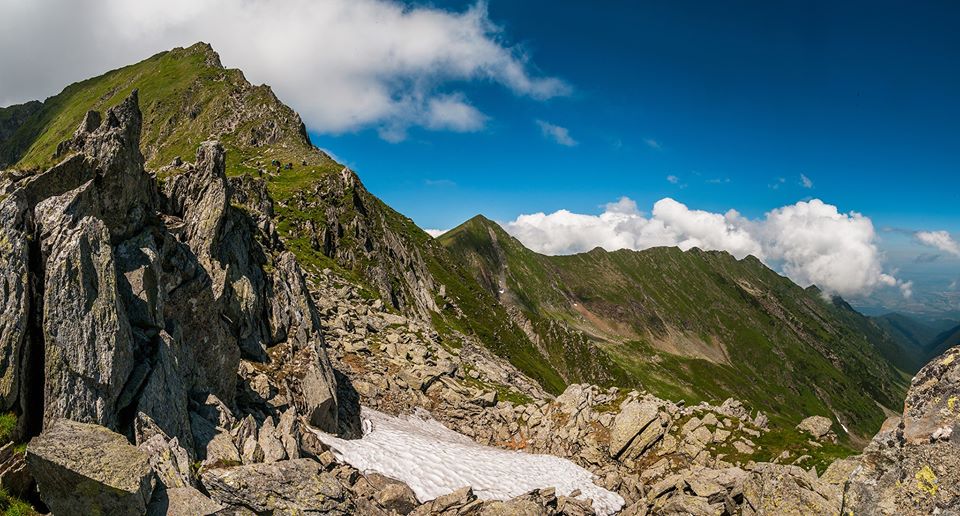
<point>129,304</point>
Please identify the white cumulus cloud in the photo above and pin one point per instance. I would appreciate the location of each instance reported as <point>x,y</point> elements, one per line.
<point>556,133</point>
<point>343,64</point>
<point>940,240</point>
<point>811,242</point>
<point>820,245</point>
<point>435,232</point>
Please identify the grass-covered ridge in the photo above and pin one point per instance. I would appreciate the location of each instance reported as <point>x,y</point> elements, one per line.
<point>186,97</point>
<point>698,326</point>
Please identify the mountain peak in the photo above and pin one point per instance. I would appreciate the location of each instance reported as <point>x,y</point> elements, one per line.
<point>212,58</point>
<point>482,220</point>
<point>188,97</point>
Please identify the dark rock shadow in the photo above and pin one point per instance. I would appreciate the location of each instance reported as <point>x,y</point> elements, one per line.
<point>159,503</point>
<point>348,407</point>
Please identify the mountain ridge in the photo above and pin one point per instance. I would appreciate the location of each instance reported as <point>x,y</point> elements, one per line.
<point>635,303</point>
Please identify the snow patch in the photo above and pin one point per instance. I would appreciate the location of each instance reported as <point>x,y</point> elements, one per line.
<point>434,460</point>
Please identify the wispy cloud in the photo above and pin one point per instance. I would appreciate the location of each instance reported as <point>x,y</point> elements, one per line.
<point>439,182</point>
<point>556,133</point>
<point>940,240</point>
<point>805,181</point>
<point>392,65</point>
<point>777,183</point>
<point>673,179</point>
<point>718,181</point>
<point>653,144</point>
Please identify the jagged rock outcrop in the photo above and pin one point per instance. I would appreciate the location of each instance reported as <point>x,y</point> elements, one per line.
<point>912,466</point>
<point>87,469</point>
<point>128,307</point>
<point>16,284</point>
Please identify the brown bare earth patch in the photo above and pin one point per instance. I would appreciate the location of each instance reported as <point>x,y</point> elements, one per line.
<point>611,329</point>
<point>678,343</point>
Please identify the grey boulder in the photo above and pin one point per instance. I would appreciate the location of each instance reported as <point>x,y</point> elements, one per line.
<point>87,469</point>
<point>291,486</point>
<point>817,426</point>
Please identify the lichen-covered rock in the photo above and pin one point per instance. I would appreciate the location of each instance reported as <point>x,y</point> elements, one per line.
<point>788,490</point>
<point>456,502</point>
<point>87,469</point>
<point>15,302</point>
<point>169,461</point>
<point>89,344</point>
<point>912,466</point>
<point>391,494</point>
<point>15,477</point>
<point>291,486</point>
<point>294,320</point>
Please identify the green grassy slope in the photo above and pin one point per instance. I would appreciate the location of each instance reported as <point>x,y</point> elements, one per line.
<point>698,325</point>
<point>186,98</point>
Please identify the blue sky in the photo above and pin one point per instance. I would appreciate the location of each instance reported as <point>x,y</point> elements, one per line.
<point>741,98</point>
<point>861,98</point>
<point>830,127</point>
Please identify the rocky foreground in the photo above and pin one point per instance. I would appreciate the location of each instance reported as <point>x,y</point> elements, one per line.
<point>164,354</point>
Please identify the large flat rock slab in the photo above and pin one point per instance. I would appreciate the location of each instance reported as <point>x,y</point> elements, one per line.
<point>87,469</point>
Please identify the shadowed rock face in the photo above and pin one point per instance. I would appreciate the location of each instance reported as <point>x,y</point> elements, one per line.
<point>125,305</point>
